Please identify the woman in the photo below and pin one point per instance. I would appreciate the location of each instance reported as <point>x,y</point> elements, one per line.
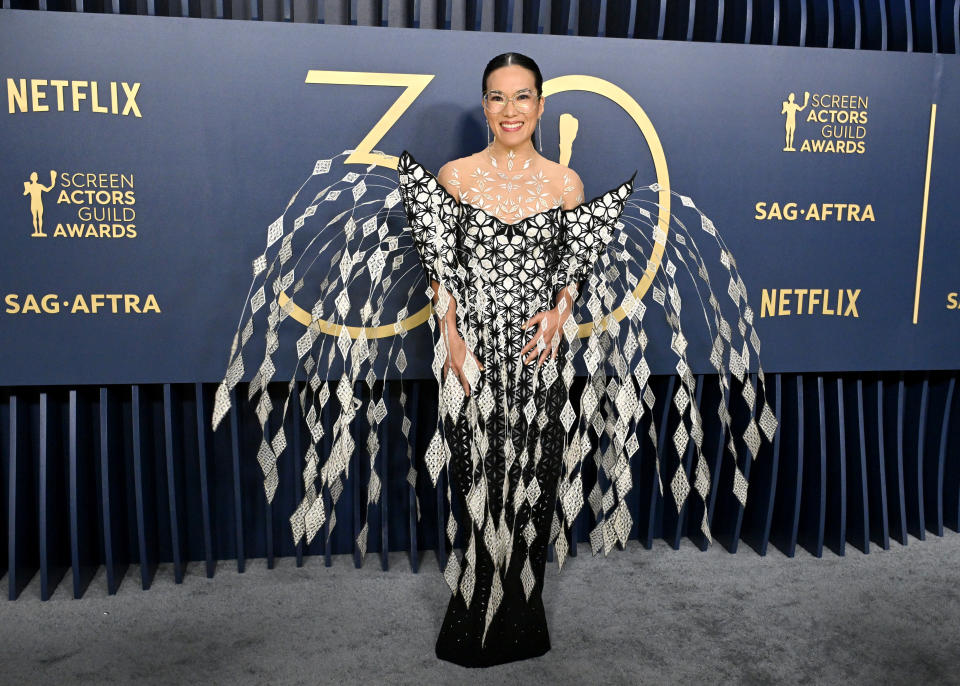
<point>507,244</point>
<point>505,276</point>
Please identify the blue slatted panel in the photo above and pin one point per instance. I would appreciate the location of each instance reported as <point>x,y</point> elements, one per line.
<point>851,475</point>
<point>240,548</point>
<point>729,516</point>
<point>174,496</point>
<point>111,505</point>
<point>858,479</point>
<point>774,467</point>
<point>383,472</point>
<point>761,22</point>
<point>725,516</point>
<point>203,460</point>
<point>571,27</point>
<point>941,483</point>
<point>857,25</point>
<point>924,18</point>
<point>354,488</point>
<point>84,541</point>
<point>326,444</point>
<point>266,523</point>
<point>897,500</point>
<point>543,15</point>
<point>775,32</point>
<point>787,509</point>
<point>690,19</point>
<point>913,476</point>
<point>881,472</point>
<point>144,495</point>
<point>294,472</point>
<point>900,27</point>
<point>716,465</point>
<point>21,500</point>
<point>53,561</point>
<point>834,448</point>
<point>804,25</point>
<point>655,499</point>
<point>955,26</point>
<point>13,431</point>
<point>950,439</point>
<point>831,24</point>
<point>814,491</point>
<point>4,486</point>
<point>757,517</point>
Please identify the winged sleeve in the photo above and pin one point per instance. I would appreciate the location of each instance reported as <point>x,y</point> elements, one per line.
<point>585,231</point>
<point>433,218</point>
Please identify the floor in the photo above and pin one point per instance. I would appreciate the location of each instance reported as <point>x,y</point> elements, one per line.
<point>638,617</point>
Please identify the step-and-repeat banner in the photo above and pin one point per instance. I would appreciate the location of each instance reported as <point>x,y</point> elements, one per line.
<point>144,158</point>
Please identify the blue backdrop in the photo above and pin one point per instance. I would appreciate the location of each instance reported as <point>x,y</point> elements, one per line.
<point>112,475</point>
<point>204,159</point>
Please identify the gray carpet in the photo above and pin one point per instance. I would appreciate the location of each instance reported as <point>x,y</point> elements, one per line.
<point>638,617</point>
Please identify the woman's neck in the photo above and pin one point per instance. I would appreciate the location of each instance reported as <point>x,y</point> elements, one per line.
<point>503,155</point>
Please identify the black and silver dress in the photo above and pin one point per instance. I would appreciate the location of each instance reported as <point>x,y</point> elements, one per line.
<point>523,457</point>
<point>506,439</point>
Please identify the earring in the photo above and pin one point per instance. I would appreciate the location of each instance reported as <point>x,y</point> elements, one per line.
<point>539,136</point>
<point>488,134</point>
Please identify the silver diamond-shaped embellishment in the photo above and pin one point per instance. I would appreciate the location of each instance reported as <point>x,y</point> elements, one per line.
<point>680,439</point>
<point>680,487</point>
<point>740,486</point>
<point>768,422</point>
<point>467,584</point>
<point>533,491</point>
<point>527,578</point>
<point>567,416</point>
<point>452,572</point>
<point>274,231</point>
<point>434,457</point>
<point>529,533</point>
<point>596,538</point>
<point>752,438</point>
<point>561,548</point>
<point>314,519</point>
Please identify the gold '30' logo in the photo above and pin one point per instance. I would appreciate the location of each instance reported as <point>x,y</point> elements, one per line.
<point>414,85</point>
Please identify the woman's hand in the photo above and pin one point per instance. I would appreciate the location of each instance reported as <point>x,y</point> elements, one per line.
<point>546,341</point>
<point>460,360</point>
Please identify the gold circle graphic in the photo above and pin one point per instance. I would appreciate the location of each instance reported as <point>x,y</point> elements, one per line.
<point>560,84</point>
<point>594,84</point>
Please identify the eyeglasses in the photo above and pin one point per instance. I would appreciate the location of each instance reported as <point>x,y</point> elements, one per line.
<point>524,100</point>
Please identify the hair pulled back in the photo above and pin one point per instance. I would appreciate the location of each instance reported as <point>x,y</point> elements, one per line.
<point>511,58</point>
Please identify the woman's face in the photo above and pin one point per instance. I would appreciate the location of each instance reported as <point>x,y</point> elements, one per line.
<point>509,86</point>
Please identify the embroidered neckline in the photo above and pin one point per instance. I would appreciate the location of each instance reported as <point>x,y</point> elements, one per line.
<point>495,218</point>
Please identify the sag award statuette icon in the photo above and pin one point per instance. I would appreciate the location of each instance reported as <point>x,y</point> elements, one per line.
<point>36,191</point>
<point>790,108</point>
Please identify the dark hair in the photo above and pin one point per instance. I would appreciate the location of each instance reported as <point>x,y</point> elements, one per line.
<point>509,58</point>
